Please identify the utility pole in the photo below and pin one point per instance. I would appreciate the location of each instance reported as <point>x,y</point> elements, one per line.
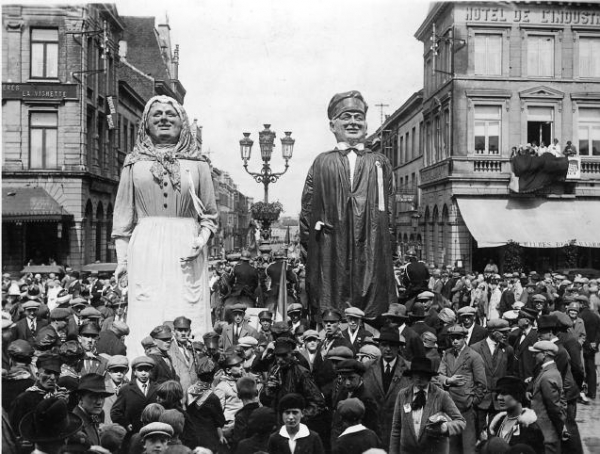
<point>381,106</point>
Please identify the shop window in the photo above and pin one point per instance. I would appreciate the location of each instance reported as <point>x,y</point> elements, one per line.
<point>589,57</point>
<point>487,122</point>
<point>589,132</point>
<point>540,56</point>
<point>488,54</point>
<point>44,53</point>
<point>43,146</point>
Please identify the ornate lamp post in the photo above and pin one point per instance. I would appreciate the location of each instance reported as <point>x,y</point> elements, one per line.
<point>266,139</point>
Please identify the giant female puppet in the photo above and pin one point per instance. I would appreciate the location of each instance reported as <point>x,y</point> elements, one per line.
<point>346,215</point>
<point>164,215</point>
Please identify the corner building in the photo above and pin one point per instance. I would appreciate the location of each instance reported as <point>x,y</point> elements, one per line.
<point>497,75</point>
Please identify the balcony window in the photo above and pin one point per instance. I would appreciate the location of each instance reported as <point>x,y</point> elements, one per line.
<point>488,54</point>
<point>487,129</point>
<point>589,132</point>
<point>540,56</point>
<point>589,57</point>
<point>43,146</point>
<point>44,53</point>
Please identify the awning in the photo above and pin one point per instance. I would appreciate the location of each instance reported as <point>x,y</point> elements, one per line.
<point>31,204</point>
<point>535,222</point>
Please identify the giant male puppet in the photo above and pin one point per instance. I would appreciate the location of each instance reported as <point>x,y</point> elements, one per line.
<point>346,217</point>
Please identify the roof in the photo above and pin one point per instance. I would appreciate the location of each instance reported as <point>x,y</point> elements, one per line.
<point>30,204</point>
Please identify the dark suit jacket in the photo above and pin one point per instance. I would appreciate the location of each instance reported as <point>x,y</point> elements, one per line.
<point>130,403</point>
<point>356,442</point>
<point>373,380</point>
<point>245,279</point>
<point>360,337</point>
<point>479,333</point>
<point>404,439</point>
<point>414,344</point>
<point>21,330</point>
<point>109,343</point>
<point>306,445</point>
<point>420,327</point>
<point>469,364</point>
<point>89,428</point>
<point>97,366</point>
<point>162,371</point>
<point>502,363</point>
<point>525,358</point>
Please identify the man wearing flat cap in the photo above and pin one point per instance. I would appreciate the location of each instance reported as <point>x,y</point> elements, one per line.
<point>182,353</point>
<point>164,370</point>
<point>345,219</point>
<point>355,332</point>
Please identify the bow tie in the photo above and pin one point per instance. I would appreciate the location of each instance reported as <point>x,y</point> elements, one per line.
<point>355,150</point>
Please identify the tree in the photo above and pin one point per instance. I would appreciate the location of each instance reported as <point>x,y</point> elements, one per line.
<point>513,257</point>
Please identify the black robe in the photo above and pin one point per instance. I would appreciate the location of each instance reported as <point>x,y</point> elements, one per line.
<point>350,259</point>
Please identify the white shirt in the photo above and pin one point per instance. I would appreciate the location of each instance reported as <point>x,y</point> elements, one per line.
<point>391,364</point>
<point>555,150</point>
<point>302,432</point>
<point>469,334</point>
<point>351,157</point>
<point>141,386</point>
<point>492,345</point>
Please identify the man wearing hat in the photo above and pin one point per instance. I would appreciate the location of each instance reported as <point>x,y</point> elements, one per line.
<point>20,376</point>
<point>424,414</point>
<point>29,326</point>
<point>521,340</point>
<point>49,425</point>
<point>475,332</point>
<point>135,395</point>
<point>164,370</point>
<point>417,319</point>
<point>591,321</point>
<point>91,393</point>
<point>226,389</point>
<point>355,438</point>
<point>349,192</point>
<point>59,320</point>
<point>415,275</point>
<point>237,328</point>
<point>88,339</point>
<point>77,304</point>
<point>351,374</point>
<point>156,437</point>
<point>287,376</point>
<point>245,280</point>
<point>265,318</point>
<point>46,385</point>
<point>385,378</point>
<point>515,423</point>
<point>355,333</point>
<point>294,312</point>
<point>310,347</point>
<point>116,379</point>
<point>499,361</point>
<point>462,372</point>
<point>548,400</point>
<point>111,341</point>
<point>182,353</point>
<point>396,318</point>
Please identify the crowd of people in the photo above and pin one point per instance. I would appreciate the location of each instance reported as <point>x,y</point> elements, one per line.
<point>554,149</point>
<point>461,363</point>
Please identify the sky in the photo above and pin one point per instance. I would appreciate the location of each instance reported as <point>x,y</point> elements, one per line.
<point>245,63</point>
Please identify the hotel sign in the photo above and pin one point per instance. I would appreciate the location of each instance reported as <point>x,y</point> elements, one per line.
<point>40,92</point>
<point>528,16</point>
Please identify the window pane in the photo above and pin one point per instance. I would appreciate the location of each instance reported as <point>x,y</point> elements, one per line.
<point>44,34</point>
<point>494,55</point>
<point>35,156</point>
<point>494,136</point>
<point>589,57</point>
<point>37,60</point>
<point>532,55</point>
<point>492,112</point>
<point>51,149</point>
<point>51,60</point>
<point>595,133</point>
<point>44,119</point>
<point>546,56</point>
<point>588,114</point>
<point>479,136</point>
<point>583,140</point>
<point>480,54</point>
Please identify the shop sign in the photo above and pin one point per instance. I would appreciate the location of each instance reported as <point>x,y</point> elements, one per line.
<point>39,92</point>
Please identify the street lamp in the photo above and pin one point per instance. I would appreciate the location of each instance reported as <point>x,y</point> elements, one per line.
<point>266,140</point>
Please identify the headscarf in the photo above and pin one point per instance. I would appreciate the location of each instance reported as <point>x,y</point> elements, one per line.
<point>167,159</point>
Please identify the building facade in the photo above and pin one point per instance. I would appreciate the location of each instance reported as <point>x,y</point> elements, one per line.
<point>71,103</point>
<point>401,140</point>
<point>498,75</point>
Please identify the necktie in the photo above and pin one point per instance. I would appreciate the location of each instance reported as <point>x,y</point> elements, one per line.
<point>455,353</point>
<point>144,389</point>
<point>388,369</point>
<point>419,401</point>
<point>32,326</point>
<point>355,150</point>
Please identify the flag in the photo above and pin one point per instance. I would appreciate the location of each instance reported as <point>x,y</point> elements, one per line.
<point>287,236</point>
<point>281,311</point>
